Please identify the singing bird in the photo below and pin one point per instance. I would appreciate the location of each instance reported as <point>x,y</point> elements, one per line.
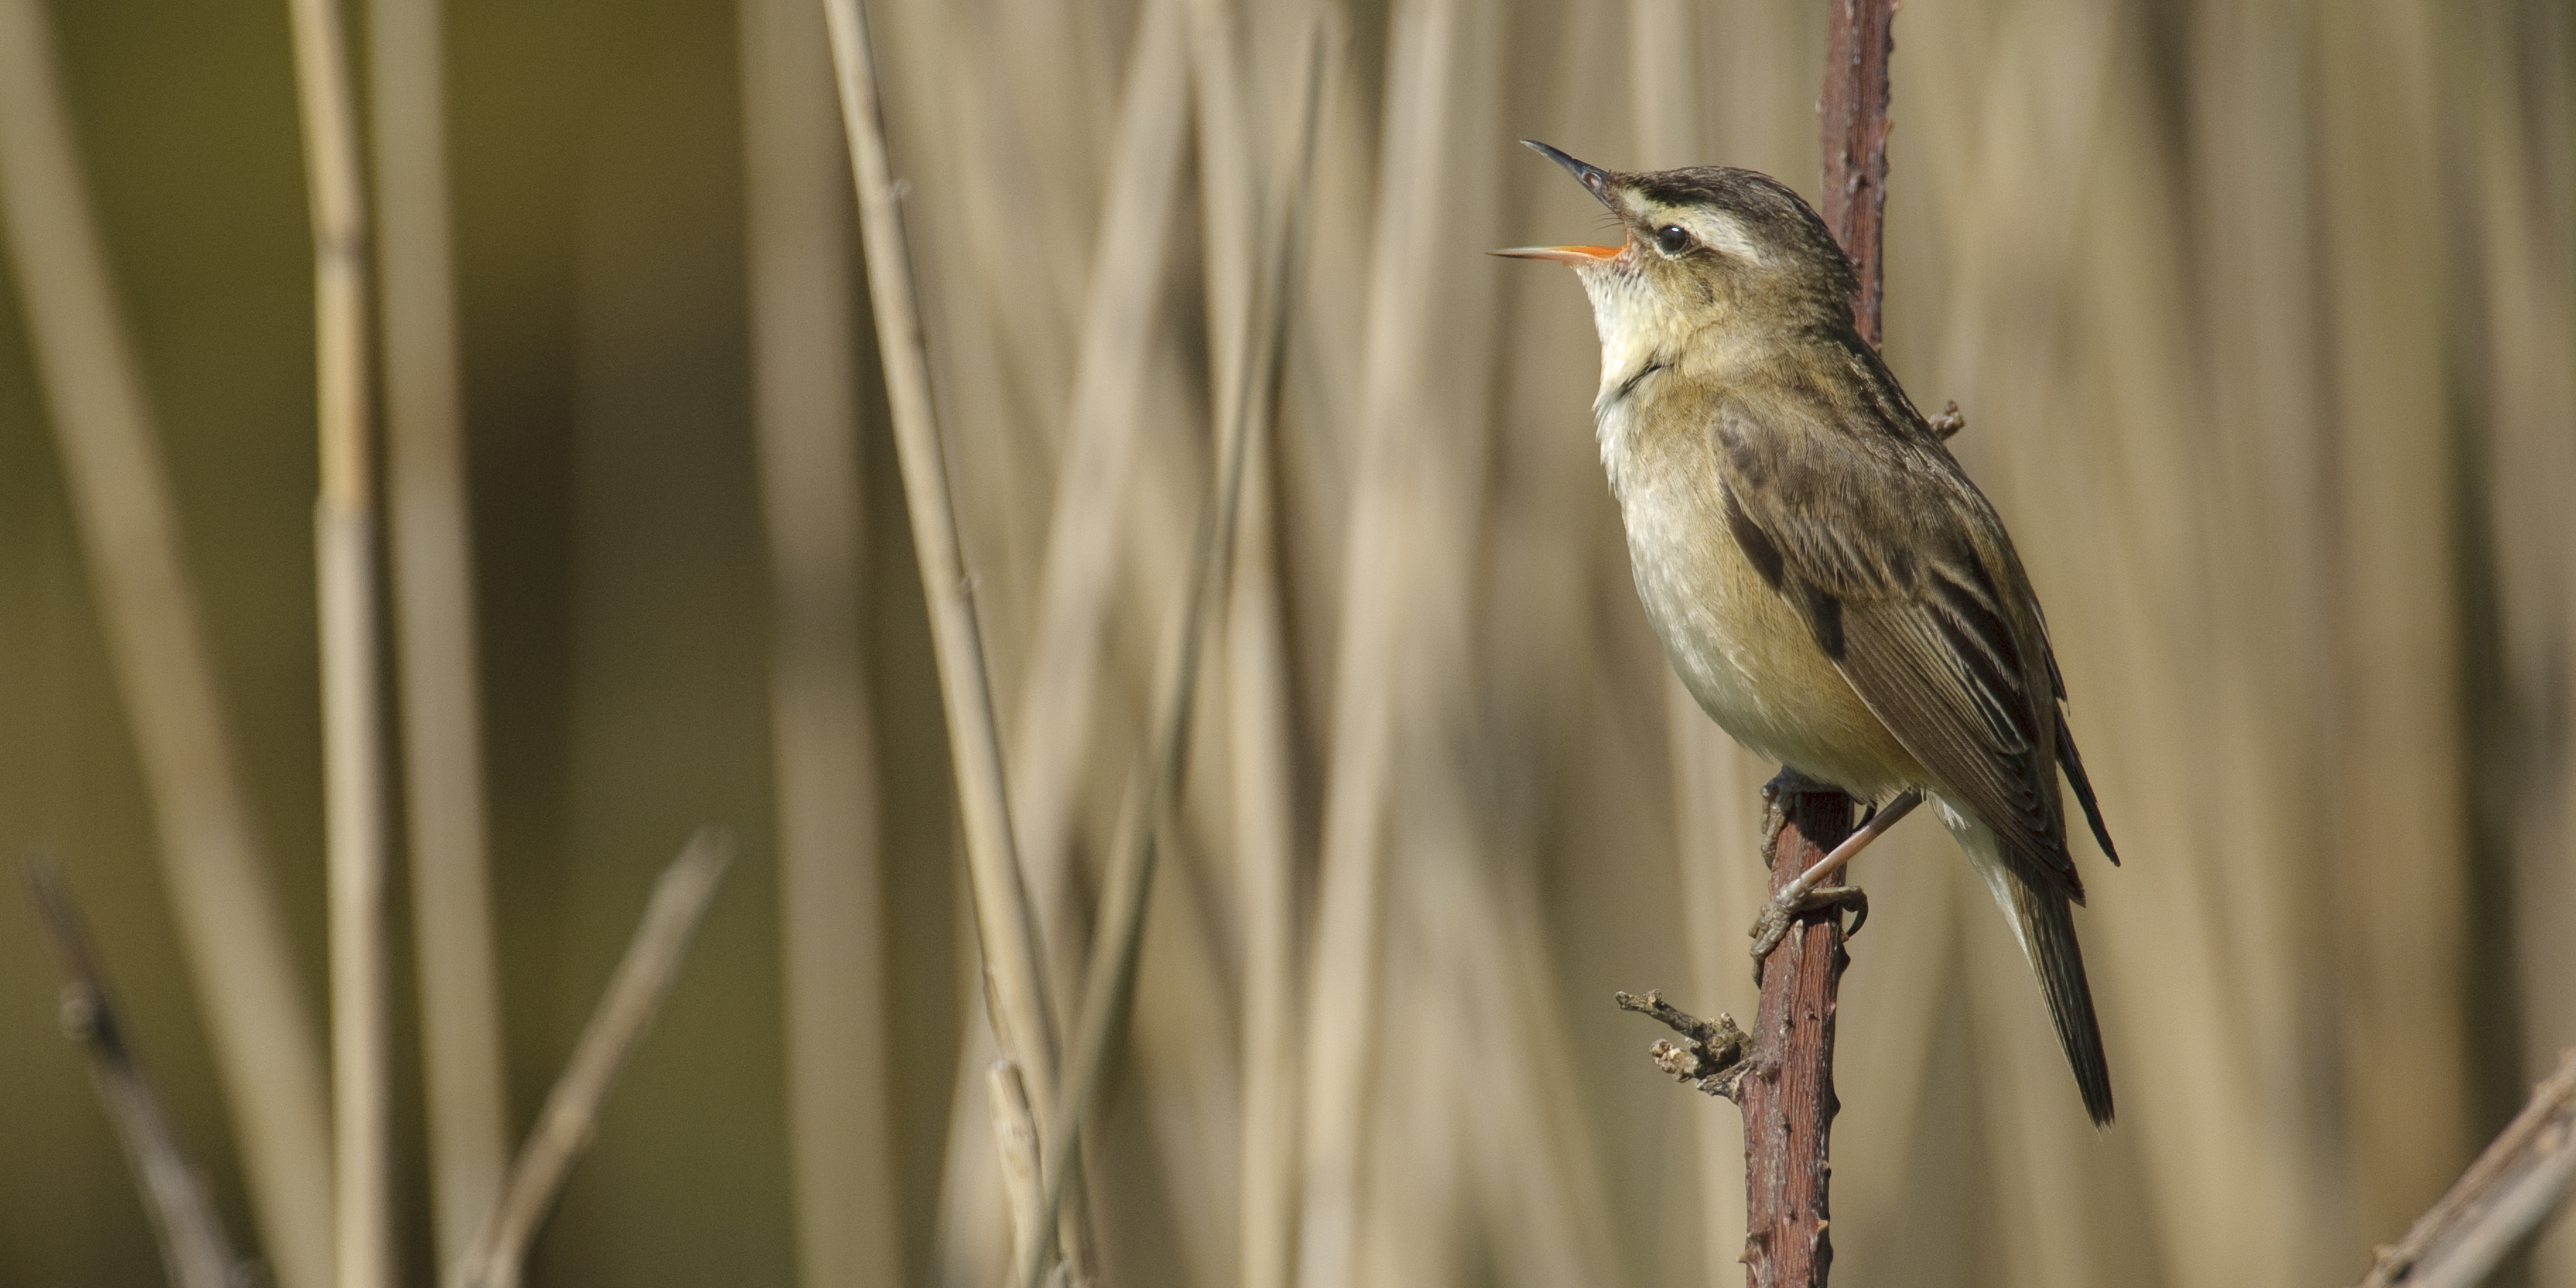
<point>1826,581</point>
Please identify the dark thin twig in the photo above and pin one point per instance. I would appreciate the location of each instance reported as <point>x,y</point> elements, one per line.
<point>193,1244</point>
<point>2521,1178</point>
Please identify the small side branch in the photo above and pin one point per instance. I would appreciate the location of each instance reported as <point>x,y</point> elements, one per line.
<point>2515,1185</point>
<point>564,1126</point>
<point>1714,1055</point>
<point>193,1244</point>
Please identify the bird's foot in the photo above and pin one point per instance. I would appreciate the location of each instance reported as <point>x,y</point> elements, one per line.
<point>1789,905</point>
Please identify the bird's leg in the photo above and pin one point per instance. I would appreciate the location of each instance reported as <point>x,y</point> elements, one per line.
<point>1809,891</point>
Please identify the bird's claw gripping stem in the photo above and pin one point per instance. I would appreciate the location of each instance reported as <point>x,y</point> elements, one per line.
<point>1808,892</point>
<point>1787,906</point>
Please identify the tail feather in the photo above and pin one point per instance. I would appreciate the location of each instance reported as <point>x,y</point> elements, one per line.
<point>2048,936</point>
<point>2044,920</point>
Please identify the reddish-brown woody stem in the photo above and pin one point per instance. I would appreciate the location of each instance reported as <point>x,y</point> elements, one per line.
<point>1787,1094</point>
<point>1785,1083</point>
<point>1854,108</point>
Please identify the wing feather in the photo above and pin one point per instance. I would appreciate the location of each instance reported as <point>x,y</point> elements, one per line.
<point>1909,583</point>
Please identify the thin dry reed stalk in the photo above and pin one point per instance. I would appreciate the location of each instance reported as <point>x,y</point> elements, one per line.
<point>806,423</point>
<point>571,1113</point>
<point>213,864</point>
<point>1012,955</point>
<point>2519,1181</point>
<point>353,697</point>
<point>433,586</point>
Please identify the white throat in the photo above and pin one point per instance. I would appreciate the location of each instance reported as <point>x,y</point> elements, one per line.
<point>1634,348</point>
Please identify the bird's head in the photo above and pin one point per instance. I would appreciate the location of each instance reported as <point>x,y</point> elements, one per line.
<point>1707,249</point>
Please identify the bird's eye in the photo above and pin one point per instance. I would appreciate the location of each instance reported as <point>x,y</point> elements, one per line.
<point>1671,240</point>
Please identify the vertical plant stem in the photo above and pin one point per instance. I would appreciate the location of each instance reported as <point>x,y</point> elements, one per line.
<point>433,600</point>
<point>806,428</point>
<point>213,866</point>
<point>352,679</point>
<point>1854,116</point>
<point>1788,1100</point>
<point>1788,1097</point>
<point>1024,1022</point>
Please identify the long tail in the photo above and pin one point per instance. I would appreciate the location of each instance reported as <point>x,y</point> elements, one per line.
<point>2048,937</point>
<point>2044,920</point>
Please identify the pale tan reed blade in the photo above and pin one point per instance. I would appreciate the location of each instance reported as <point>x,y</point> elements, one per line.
<point>2184,549</point>
<point>1099,494</point>
<point>345,528</point>
<point>1110,983</point>
<point>571,1114</point>
<point>1269,897</point>
<point>2397,778</point>
<point>1013,955</point>
<point>213,861</point>
<point>1663,86</point>
<point>1270,901</point>
<point>1408,567</point>
<point>195,1250</point>
<point>806,427</point>
<point>431,549</point>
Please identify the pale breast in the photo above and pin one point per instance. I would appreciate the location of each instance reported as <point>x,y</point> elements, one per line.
<point>1739,647</point>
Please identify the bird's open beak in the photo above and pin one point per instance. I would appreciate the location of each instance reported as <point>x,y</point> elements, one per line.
<point>1592,177</point>
<point>1575,255</point>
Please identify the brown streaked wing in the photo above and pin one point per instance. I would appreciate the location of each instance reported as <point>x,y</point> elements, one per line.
<point>1907,581</point>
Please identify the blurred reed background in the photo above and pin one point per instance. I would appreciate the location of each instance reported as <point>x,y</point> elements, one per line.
<point>2263,316</point>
